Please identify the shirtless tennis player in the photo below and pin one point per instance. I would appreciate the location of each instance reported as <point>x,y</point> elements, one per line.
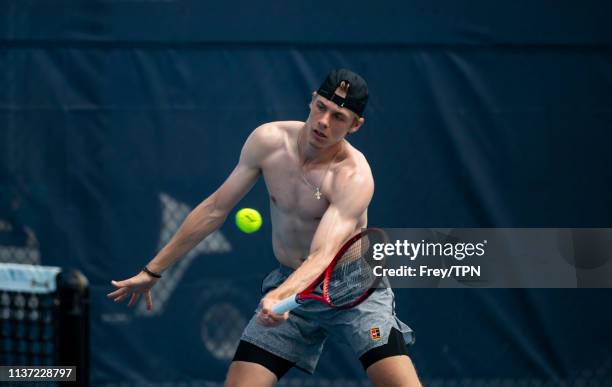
<point>320,188</point>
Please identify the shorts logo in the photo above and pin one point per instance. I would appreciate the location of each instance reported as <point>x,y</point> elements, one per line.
<point>375,333</point>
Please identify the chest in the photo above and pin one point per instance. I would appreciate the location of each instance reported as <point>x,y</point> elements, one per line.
<point>293,191</point>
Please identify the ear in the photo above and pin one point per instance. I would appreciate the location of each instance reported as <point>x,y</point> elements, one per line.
<point>356,125</point>
<point>312,99</point>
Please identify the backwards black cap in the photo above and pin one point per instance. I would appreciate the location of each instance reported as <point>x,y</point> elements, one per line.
<point>349,83</point>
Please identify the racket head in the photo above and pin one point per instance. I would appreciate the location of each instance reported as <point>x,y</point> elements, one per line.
<point>349,279</point>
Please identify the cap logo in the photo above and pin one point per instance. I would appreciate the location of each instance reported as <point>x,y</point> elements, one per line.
<point>342,89</point>
<point>341,93</point>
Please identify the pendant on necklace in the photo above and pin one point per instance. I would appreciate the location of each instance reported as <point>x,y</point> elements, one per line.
<point>318,194</point>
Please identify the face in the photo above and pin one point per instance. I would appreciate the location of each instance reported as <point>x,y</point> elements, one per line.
<point>328,123</point>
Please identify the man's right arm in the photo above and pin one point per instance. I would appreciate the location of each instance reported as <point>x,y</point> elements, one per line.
<point>205,218</point>
<point>211,213</point>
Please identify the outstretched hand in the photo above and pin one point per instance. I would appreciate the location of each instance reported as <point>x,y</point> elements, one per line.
<point>139,284</point>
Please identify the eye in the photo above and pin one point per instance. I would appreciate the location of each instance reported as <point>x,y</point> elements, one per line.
<point>339,117</point>
<point>320,106</point>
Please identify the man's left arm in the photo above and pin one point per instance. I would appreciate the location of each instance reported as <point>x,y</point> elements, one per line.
<point>351,196</point>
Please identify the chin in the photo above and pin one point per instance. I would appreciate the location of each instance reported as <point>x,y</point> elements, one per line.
<point>315,144</point>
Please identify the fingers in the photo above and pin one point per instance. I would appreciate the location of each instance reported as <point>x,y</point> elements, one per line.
<point>120,284</point>
<point>267,317</point>
<point>133,287</point>
<point>277,317</point>
<point>265,320</point>
<point>121,298</point>
<point>268,322</point>
<point>134,299</point>
<point>270,319</point>
<point>122,294</point>
<point>118,293</point>
<point>149,300</point>
<point>280,318</point>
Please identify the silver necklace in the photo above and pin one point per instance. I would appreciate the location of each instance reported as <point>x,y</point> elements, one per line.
<point>317,189</point>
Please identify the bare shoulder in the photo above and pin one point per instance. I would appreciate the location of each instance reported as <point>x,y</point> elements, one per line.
<point>273,135</point>
<point>266,140</point>
<point>266,135</point>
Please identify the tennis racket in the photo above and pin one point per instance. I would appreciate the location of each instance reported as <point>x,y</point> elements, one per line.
<point>348,280</point>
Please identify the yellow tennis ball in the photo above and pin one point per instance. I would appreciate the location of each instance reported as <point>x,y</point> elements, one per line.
<point>248,220</point>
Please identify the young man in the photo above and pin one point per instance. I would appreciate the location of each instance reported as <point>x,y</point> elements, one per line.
<point>320,188</point>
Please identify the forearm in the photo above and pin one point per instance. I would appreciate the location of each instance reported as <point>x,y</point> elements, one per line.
<point>202,221</point>
<point>303,275</point>
<point>326,244</point>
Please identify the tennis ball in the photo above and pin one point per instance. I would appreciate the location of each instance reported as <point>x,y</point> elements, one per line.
<point>248,220</point>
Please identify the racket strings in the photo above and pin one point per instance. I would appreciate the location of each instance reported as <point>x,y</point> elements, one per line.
<point>352,276</point>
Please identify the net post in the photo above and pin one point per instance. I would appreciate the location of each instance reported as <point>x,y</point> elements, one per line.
<point>73,323</point>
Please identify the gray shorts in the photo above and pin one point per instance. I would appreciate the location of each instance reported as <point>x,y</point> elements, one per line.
<point>300,339</point>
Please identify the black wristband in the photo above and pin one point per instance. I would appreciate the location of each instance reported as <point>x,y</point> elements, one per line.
<point>152,274</point>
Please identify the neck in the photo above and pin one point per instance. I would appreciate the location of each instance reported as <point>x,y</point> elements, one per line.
<point>313,155</point>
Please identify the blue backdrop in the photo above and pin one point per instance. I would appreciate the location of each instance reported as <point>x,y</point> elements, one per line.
<point>118,117</point>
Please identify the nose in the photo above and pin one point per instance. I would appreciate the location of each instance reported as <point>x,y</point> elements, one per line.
<point>324,120</point>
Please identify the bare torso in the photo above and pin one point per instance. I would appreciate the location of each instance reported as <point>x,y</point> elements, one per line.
<point>294,211</point>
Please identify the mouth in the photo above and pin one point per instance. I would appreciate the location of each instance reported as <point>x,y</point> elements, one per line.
<point>319,134</point>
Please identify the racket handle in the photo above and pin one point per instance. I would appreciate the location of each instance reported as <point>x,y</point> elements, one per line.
<point>286,305</point>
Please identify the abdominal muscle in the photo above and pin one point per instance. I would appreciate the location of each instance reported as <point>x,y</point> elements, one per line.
<point>291,236</point>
